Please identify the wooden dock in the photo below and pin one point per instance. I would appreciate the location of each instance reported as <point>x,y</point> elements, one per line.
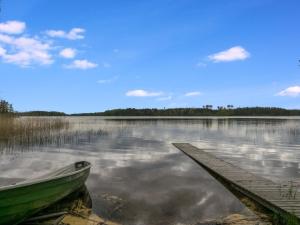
<point>278,198</point>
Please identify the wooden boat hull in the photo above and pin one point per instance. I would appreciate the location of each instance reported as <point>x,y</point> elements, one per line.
<point>21,201</point>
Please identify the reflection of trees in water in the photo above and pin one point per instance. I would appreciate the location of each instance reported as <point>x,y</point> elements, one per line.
<point>240,130</point>
<point>207,123</point>
<point>141,182</point>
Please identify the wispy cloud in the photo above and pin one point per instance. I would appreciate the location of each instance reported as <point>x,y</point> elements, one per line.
<point>81,64</point>
<point>12,27</point>
<point>192,93</point>
<point>143,93</point>
<point>201,64</point>
<point>166,98</point>
<point>68,53</point>
<point>106,81</point>
<point>293,91</point>
<point>231,54</point>
<point>73,34</point>
<point>106,65</point>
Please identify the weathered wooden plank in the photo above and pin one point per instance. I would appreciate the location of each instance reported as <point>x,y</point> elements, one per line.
<point>275,197</point>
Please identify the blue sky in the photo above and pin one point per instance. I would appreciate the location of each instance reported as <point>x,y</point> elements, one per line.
<point>87,56</point>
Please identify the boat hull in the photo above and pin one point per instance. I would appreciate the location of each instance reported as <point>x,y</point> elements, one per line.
<point>17,204</point>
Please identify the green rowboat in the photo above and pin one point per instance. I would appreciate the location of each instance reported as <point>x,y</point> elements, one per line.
<point>21,200</point>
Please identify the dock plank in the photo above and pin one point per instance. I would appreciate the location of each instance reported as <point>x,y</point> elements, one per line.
<point>278,198</point>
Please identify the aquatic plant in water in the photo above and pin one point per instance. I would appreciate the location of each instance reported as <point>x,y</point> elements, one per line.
<point>26,132</point>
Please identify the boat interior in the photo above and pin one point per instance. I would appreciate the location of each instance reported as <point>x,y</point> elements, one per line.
<point>65,170</point>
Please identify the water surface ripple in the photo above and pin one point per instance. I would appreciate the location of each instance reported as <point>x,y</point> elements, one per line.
<point>138,177</point>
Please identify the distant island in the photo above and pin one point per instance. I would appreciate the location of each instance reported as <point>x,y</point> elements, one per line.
<point>207,110</point>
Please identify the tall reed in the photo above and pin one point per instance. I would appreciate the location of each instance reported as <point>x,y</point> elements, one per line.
<point>15,130</point>
<point>25,132</point>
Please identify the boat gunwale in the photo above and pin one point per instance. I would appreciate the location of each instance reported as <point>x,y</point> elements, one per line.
<point>42,180</point>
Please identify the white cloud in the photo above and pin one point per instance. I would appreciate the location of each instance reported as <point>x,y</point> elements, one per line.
<point>293,91</point>
<point>82,64</point>
<point>12,27</point>
<point>6,39</point>
<point>2,51</point>
<point>73,34</point>
<point>193,93</point>
<point>25,51</point>
<point>21,58</point>
<point>142,93</point>
<point>231,54</point>
<point>68,53</point>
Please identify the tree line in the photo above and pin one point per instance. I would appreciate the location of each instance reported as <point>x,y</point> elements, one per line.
<point>41,113</point>
<point>6,107</point>
<point>204,111</point>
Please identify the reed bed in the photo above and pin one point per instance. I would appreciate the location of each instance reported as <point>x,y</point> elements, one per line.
<point>26,132</point>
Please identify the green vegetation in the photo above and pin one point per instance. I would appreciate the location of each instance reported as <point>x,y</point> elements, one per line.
<point>5,107</point>
<point>205,111</point>
<point>42,113</point>
<point>284,219</point>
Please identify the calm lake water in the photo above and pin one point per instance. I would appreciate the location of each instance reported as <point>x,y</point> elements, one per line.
<point>138,177</point>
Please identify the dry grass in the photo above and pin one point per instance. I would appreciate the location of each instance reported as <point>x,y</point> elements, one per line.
<point>11,126</point>
<point>26,131</point>
<point>21,133</point>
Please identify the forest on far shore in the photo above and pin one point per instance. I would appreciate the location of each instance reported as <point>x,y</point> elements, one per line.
<point>206,110</point>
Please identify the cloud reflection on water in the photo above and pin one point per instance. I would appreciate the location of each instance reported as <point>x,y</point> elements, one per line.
<point>154,182</point>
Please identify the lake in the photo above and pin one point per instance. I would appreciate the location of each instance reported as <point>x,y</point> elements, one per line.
<point>138,177</point>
